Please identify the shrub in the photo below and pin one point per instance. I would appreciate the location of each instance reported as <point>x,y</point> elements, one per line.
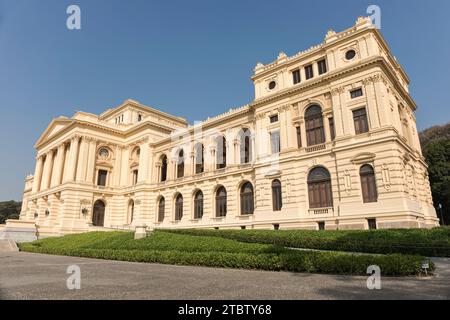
<point>169,248</point>
<point>433,242</point>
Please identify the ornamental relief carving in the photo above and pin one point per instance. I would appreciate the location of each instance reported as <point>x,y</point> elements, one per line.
<point>337,90</point>
<point>288,190</point>
<point>386,176</point>
<point>347,181</point>
<point>260,116</point>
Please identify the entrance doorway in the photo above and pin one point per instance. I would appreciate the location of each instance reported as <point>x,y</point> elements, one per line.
<point>98,216</point>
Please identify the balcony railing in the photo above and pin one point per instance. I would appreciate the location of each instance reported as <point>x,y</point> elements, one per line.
<point>321,211</point>
<point>316,148</point>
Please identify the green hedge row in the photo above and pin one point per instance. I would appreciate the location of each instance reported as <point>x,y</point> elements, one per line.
<point>292,260</point>
<point>170,248</point>
<point>159,240</point>
<point>433,242</point>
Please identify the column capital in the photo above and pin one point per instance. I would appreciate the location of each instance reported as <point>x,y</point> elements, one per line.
<point>337,90</point>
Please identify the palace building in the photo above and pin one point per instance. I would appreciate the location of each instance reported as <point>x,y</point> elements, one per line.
<point>329,142</point>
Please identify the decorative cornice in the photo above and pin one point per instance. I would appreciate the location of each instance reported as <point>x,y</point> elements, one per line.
<point>323,80</point>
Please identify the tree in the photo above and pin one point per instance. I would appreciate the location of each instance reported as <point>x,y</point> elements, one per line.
<point>9,210</point>
<point>437,155</point>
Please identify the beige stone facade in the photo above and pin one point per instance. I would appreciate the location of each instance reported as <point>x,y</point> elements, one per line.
<point>342,106</point>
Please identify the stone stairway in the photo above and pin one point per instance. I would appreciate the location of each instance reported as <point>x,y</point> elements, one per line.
<point>8,245</point>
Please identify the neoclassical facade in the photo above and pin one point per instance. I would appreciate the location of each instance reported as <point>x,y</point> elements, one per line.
<point>329,142</point>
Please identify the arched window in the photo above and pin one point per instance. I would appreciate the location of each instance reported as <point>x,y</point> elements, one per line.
<point>368,184</point>
<point>130,211</point>
<point>247,206</point>
<point>314,125</point>
<point>98,215</point>
<point>319,188</point>
<point>199,158</point>
<point>198,205</point>
<point>180,164</point>
<point>221,153</point>
<point>179,207</point>
<point>245,145</point>
<point>221,202</point>
<point>277,201</point>
<point>161,209</point>
<point>135,176</point>
<point>163,168</point>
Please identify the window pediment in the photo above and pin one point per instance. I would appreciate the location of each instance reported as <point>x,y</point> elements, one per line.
<point>363,158</point>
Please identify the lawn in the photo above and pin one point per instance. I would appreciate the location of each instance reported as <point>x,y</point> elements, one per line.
<point>213,251</point>
<point>427,242</point>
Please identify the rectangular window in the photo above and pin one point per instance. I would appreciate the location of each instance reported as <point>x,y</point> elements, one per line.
<point>372,223</point>
<point>309,72</point>
<point>274,118</point>
<point>135,177</point>
<point>276,226</point>
<point>321,225</point>
<point>275,141</point>
<point>360,120</point>
<point>322,65</point>
<point>332,132</point>
<point>101,179</point>
<point>299,137</point>
<point>356,93</point>
<point>296,76</point>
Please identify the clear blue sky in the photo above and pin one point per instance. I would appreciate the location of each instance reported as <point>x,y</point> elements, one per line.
<point>189,58</point>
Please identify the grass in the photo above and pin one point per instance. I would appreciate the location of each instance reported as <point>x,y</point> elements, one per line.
<point>184,249</point>
<point>426,242</point>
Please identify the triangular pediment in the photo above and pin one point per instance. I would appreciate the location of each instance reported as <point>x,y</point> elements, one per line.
<point>53,128</point>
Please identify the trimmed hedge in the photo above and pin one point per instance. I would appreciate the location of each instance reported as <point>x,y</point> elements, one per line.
<point>168,248</point>
<point>433,242</point>
<point>160,241</point>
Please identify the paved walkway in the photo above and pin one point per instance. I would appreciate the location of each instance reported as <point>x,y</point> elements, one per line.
<point>34,276</point>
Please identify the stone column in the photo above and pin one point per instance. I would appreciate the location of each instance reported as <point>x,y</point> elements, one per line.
<point>303,133</point>
<point>158,173</point>
<point>213,158</point>
<point>284,140</point>
<point>125,167</point>
<point>92,156</point>
<point>82,160</point>
<point>337,112</point>
<point>326,125</point>
<point>290,130</point>
<point>143,162</point>
<point>65,172</point>
<point>372,104</point>
<point>150,167</point>
<point>381,101</point>
<point>315,69</point>
<point>73,158</point>
<point>193,162</point>
<point>46,176</point>
<point>58,167</point>
<point>236,151</point>
<point>117,165</point>
<point>37,174</point>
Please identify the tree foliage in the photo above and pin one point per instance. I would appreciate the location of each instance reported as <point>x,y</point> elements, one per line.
<point>436,150</point>
<point>9,210</point>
